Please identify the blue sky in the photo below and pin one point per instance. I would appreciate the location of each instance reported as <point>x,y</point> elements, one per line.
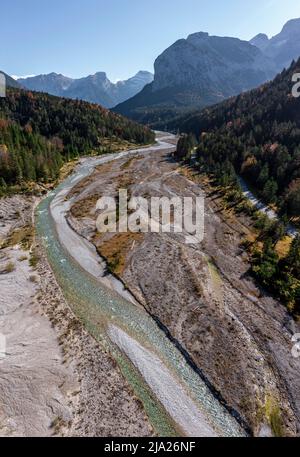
<point>80,37</point>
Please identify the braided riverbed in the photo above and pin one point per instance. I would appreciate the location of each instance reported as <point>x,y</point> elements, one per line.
<point>176,399</point>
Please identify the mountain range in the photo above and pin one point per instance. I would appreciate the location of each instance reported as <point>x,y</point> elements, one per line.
<point>203,70</point>
<point>95,88</point>
<point>192,73</point>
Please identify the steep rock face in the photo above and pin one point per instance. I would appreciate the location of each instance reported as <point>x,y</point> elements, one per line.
<point>284,47</point>
<point>203,70</point>
<point>199,71</point>
<point>210,64</point>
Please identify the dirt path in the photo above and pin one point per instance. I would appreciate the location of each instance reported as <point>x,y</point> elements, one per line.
<point>265,209</point>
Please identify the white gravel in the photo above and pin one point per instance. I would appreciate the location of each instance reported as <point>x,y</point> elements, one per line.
<point>80,249</point>
<point>183,410</point>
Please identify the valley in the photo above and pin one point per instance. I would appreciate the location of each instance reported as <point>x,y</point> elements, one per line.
<point>95,88</point>
<point>213,338</point>
<point>112,320</point>
<point>150,225</point>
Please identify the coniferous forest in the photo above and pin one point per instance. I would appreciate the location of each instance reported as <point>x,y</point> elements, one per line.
<point>256,136</point>
<point>39,132</point>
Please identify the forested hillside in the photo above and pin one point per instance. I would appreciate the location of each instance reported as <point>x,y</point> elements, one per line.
<point>38,133</point>
<point>257,136</point>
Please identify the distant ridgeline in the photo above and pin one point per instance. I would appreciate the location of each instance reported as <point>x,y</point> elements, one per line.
<point>255,135</point>
<point>39,132</point>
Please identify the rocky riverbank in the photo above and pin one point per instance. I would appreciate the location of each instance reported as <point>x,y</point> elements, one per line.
<point>54,378</point>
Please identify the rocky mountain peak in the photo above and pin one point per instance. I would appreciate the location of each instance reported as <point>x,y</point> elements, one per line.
<point>283,47</point>
<point>100,75</point>
<point>291,27</point>
<point>198,36</point>
<point>261,41</point>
